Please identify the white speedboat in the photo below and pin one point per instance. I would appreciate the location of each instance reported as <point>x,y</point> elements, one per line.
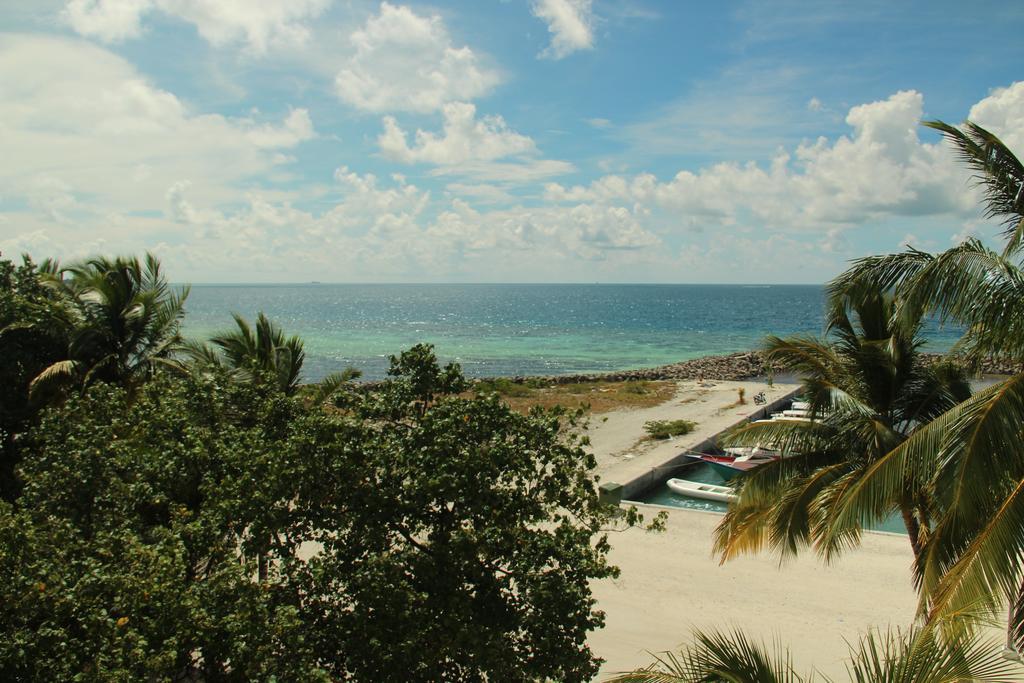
<point>697,489</point>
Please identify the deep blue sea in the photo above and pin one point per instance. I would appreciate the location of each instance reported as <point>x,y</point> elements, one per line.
<point>518,329</point>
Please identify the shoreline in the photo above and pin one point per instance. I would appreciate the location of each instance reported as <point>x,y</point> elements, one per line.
<point>732,367</point>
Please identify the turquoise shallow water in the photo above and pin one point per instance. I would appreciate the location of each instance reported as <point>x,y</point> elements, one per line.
<point>517,329</point>
<point>663,495</point>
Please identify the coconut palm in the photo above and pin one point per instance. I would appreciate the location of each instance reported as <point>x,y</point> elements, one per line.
<point>973,455</point>
<point>265,350</point>
<point>916,656</point>
<point>123,321</point>
<point>868,388</point>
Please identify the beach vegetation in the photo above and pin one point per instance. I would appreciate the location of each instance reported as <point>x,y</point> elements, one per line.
<point>505,387</point>
<point>919,655</point>
<point>667,429</point>
<point>637,386</point>
<point>594,397</point>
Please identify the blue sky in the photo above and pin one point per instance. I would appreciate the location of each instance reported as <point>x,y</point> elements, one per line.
<point>496,141</point>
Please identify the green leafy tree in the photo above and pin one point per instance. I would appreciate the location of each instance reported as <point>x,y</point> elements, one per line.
<point>868,389</point>
<point>972,455</point>
<point>456,542</point>
<point>916,656</point>
<point>480,525</point>
<point>33,325</point>
<point>124,320</point>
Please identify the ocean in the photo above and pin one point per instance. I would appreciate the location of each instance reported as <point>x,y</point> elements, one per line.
<point>510,329</point>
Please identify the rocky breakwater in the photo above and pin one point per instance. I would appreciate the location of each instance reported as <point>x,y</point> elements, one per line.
<point>987,366</point>
<point>735,366</point>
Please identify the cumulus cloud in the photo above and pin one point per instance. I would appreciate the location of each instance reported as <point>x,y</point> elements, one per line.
<point>1002,113</point>
<point>107,20</point>
<point>570,23</point>
<point>407,62</point>
<point>257,25</point>
<point>465,138</point>
<point>881,169</point>
<point>81,118</point>
<point>484,148</point>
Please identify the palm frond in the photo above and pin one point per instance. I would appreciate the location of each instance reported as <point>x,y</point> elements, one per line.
<point>56,375</point>
<point>989,568</point>
<point>332,383</point>
<point>996,170</point>
<point>719,657</point>
<point>921,656</point>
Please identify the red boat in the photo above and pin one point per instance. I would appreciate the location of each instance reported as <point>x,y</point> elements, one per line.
<point>738,461</point>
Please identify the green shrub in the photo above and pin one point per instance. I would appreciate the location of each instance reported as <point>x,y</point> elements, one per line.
<point>640,387</point>
<point>664,429</point>
<point>505,387</point>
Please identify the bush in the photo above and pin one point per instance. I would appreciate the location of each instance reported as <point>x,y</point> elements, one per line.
<point>640,387</point>
<point>504,387</point>
<point>665,429</point>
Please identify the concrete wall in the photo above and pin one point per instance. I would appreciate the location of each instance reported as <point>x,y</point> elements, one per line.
<point>637,486</point>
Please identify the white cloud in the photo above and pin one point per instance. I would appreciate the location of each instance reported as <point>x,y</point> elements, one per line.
<point>599,123</point>
<point>518,172</point>
<point>258,25</point>
<point>406,62</point>
<point>880,171</point>
<point>465,138</point>
<point>570,23</point>
<point>1002,113</point>
<point>297,127</point>
<point>78,117</point>
<point>814,104</point>
<point>480,192</point>
<point>107,20</point>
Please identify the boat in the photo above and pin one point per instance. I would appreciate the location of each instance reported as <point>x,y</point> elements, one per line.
<point>729,465</point>
<point>758,451</point>
<point>697,489</point>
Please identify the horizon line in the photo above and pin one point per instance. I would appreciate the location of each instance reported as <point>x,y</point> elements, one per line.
<point>548,284</point>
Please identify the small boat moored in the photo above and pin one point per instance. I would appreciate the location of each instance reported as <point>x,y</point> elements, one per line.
<point>697,489</point>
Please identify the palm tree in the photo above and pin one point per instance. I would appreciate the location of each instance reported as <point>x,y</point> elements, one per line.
<point>973,455</point>
<point>869,388</point>
<point>265,351</point>
<point>123,321</point>
<point>917,656</point>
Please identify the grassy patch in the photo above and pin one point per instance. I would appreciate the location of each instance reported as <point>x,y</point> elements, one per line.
<point>596,397</point>
<point>664,429</point>
<point>506,387</point>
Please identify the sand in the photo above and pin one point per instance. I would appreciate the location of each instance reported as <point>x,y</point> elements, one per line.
<point>670,583</point>
<point>617,437</point>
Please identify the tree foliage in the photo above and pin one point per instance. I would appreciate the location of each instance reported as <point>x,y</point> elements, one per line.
<point>403,539</point>
<point>33,337</point>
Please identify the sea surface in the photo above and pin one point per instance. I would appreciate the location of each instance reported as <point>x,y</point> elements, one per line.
<point>494,330</point>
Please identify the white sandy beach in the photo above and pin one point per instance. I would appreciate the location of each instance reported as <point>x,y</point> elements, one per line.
<point>617,437</point>
<point>670,582</point>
